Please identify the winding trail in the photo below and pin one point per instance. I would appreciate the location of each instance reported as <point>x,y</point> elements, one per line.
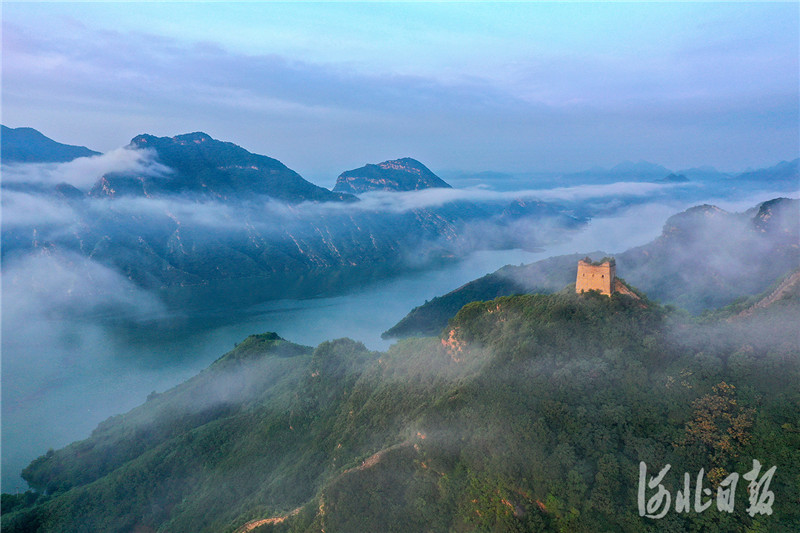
<point>250,526</point>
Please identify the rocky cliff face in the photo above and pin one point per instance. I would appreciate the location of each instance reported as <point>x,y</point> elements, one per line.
<point>404,174</point>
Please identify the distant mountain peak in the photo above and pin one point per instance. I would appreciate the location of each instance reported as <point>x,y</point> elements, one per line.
<point>145,139</point>
<point>674,178</point>
<point>404,174</point>
<point>206,167</point>
<point>641,167</point>
<point>685,222</point>
<point>778,214</point>
<point>785,171</point>
<point>704,210</point>
<point>625,171</point>
<point>27,145</point>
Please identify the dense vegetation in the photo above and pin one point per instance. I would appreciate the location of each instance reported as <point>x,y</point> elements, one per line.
<point>530,413</point>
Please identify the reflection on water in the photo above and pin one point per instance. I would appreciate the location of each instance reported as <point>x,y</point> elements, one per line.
<point>62,377</point>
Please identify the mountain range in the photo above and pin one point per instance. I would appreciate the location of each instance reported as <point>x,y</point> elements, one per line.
<point>210,215</point>
<point>625,171</point>
<point>208,218</point>
<point>526,407</point>
<point>705,258</point>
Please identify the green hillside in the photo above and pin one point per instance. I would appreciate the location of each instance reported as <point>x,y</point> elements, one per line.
<point>529,413</point>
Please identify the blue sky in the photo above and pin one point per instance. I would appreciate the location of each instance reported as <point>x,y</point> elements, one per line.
<point>325,87</point>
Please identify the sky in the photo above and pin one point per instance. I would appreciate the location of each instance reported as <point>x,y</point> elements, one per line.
<point>327,87</point>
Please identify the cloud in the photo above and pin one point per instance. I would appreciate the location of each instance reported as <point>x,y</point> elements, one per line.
<point>548,110</point>
<point>50,285</point>
<point>83,172</point>
<point>400,202</point>
<point>632,226</point>
<point>23,209</point>
<point>64,369</point>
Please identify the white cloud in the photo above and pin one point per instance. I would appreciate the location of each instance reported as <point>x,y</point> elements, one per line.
<point>58,285</point>
<point>399,202</point>
<point>24,209</point>
<point>83,172</point>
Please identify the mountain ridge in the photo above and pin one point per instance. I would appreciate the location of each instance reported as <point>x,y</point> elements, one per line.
<point>208,168</point>
<point>27,145</point>
<point>692,246</point>
<point>405,174</point>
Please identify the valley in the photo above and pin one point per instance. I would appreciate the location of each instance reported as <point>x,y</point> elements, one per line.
<point>138,295</point>
<point>435,267</point>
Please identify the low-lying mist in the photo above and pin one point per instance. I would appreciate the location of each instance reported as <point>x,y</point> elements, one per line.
<point>83,172</point>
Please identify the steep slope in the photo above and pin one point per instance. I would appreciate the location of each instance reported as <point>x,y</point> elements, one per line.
<point>787,289</point>
<point>531,413</point>
<point>704,258</point>
<point>404,174</point>
<point>544,276</point>
<point>27,145</point>
<point>707,257</point>
<point>207,168</point>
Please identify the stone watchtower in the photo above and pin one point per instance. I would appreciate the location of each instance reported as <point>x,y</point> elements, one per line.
<point>596,276</point>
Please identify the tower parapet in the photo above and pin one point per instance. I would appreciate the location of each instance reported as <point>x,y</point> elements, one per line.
<point>596,276</point>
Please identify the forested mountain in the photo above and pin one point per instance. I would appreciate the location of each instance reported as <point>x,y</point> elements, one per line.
<point>704,258</point>
<point>529,413</point>
<point>27,145</point>
<point>404,174</point>
<point>200,166</point>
